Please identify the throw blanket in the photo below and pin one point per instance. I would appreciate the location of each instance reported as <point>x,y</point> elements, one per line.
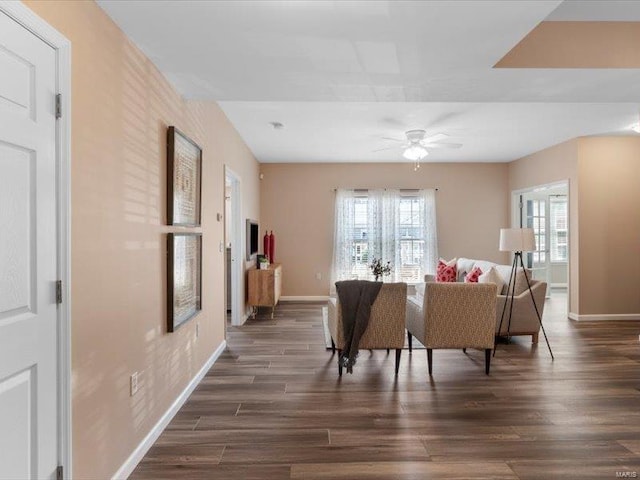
<point>356,298</point>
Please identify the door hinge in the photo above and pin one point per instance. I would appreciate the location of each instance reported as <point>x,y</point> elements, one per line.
<point>59,105</point>
<point>59,292</point>
<point>59,473</point>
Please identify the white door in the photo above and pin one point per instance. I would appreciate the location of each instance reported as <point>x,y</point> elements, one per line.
<point>28,313</point>
<point>536,217</point>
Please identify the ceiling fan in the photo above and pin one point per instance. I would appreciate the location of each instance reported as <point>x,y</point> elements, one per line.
<point>417,142</point>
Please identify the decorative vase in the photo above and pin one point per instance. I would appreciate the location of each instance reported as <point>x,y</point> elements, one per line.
<point>266,245</point>
<point>272,247</point>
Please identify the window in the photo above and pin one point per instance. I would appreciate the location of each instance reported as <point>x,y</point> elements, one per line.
<point>412,239</point>
<point>536,219</point>
<point>396,226</point>
<point>558,228</point>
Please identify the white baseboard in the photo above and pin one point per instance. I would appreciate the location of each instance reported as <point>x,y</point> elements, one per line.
<point>130,464</point>
<point>604,317</point>
<point>303,298</point>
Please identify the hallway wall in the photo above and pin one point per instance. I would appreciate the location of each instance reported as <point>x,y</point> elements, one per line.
<point>121,107</point>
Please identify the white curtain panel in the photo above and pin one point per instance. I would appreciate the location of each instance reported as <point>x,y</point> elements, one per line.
<point>430,260</point>
<point>342,237</point>
<point>390,230</point>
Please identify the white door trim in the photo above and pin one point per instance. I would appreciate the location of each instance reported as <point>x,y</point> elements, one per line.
<point>28,19</point>
<point>238,314</point>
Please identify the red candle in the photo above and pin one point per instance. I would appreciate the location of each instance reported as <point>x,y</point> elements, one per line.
<point>272,247</point>
<point>266,246</point>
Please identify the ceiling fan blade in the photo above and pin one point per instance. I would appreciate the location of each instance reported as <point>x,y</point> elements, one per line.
<point>436,137</point>
<point>442,145</point>
<point>401,140</point>
<point>385,148</point>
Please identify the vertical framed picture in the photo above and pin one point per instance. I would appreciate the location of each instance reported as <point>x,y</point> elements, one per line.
<point>184,179</point>
<point>184,278</point>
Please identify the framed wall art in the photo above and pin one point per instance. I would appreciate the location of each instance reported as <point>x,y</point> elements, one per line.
<point>184,278</point>
<point>184,179</point>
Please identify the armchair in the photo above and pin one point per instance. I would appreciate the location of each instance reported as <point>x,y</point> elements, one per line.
<point>454,315</point>
<point>386,322</point>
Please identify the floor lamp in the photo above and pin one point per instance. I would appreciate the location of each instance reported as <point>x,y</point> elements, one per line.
<point>518,240</point>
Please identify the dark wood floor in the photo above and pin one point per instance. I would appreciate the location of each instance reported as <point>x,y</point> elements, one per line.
<point>273,407</point>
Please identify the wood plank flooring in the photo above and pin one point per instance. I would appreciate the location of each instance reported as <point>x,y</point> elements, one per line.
<point>273,407</point>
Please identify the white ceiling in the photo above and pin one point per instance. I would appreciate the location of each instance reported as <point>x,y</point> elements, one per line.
<point>597,11</point>
<point>341,74</point>
<point>350,132</point>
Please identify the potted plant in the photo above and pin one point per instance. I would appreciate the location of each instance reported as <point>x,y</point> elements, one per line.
<point>379,269</point>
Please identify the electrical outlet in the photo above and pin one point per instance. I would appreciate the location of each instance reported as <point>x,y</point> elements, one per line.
<point>133,383</point>
<point>318,276</point>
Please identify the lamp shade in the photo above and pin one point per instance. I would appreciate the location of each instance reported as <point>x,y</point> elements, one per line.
<point>517,240</point>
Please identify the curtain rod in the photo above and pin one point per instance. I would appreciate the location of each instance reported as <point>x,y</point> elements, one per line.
<point>385,189</point>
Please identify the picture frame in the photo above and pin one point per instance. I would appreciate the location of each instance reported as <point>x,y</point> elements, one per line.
<point>184,278</point>
<point>184,180</point>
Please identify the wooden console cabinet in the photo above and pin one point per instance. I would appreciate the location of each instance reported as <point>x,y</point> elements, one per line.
<point>264,287</point>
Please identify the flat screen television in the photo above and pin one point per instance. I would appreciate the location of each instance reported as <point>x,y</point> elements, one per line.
<point>252,239</point>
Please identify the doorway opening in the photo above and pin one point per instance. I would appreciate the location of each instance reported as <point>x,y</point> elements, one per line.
<point>545,209</point>
<point>234,264</point>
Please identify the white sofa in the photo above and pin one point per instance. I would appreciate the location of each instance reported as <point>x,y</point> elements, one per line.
<point>523,320</point>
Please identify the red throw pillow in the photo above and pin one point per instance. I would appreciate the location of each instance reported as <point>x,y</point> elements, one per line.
<point>446,272</point>
<point>473,275</point>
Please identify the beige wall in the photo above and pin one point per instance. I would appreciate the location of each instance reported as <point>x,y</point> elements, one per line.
<point>121,106</point>
<point>609,176</point>
<point>604,209</point>
<point>298,204</point>
<point>552,165</point>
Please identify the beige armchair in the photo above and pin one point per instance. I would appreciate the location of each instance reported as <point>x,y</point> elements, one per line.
<point>386,322</point>
<point>454,315</point>
<point>524,320</point>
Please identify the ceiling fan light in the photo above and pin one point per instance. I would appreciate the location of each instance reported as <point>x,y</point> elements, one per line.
<point>415,152</point>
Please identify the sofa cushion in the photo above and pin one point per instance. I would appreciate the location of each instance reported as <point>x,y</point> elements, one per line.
<point>521,282</point>
<point>505,272</point>
<point>446,271</point>
<point>473,275</point>
<point>464,266</point>
<point>492,276</point>
<point>484,265</point>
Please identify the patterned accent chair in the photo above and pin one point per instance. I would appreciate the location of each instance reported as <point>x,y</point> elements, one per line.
<point>454,315</point>
<point>386,323</point>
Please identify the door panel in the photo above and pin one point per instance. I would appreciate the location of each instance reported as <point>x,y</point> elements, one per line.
<point>18,221</point>
<point>16,88</point>
<point>535,213</point>
<point>28,269</point>
<point>17,415</point>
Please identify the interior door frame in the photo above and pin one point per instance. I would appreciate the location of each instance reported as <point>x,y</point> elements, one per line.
<point>237,249</point>
<point>62,46</point>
